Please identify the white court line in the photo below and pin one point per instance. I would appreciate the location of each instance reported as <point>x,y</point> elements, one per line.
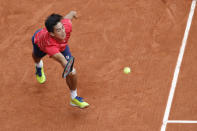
<point>178,65</point>
<point>181,121</point>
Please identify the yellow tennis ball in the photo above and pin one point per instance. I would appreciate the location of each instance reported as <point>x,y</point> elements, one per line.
<point>127,70</point>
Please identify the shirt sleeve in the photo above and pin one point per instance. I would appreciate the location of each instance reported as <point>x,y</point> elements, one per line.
<point>67,24</point>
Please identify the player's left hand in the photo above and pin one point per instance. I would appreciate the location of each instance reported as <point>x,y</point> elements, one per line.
<point>74,13</point>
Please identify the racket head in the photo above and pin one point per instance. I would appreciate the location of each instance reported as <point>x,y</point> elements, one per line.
<point>69,67</point>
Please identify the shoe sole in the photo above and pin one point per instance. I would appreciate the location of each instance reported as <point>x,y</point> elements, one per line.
<point>41,82</point>
<point>78,106</point>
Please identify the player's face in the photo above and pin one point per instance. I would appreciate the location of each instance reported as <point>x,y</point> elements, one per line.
<point>59,31</point>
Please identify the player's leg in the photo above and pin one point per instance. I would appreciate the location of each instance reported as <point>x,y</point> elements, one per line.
<point>40,76</point>
<point>37,55</point>
<point>71,81</point>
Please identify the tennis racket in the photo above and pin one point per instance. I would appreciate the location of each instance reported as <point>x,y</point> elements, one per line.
<point>69,67</point>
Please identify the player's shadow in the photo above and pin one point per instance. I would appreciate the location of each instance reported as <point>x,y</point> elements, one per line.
<point>40,88</point>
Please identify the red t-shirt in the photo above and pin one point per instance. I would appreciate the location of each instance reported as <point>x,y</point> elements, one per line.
<point>48,44</point>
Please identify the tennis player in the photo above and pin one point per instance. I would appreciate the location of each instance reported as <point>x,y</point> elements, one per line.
<point>53,41</point>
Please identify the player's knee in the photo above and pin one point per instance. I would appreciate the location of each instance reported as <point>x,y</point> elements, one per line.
<point>73,72</point>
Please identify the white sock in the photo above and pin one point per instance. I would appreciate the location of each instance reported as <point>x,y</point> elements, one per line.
<point>73,93</point>
<point>40,64</point>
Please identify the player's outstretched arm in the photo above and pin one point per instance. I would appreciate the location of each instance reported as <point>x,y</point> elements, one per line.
<point>71,15</point>
<point>60,58</point>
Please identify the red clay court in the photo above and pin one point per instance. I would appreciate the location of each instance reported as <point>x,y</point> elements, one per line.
<point>146,35</point>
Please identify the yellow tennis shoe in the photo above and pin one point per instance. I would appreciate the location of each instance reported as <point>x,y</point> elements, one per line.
<point>78,102</point>
<point>41,78</point>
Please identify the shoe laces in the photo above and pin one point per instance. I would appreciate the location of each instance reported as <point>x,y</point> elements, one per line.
<point>79,98</point>
<point>38,71</point>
